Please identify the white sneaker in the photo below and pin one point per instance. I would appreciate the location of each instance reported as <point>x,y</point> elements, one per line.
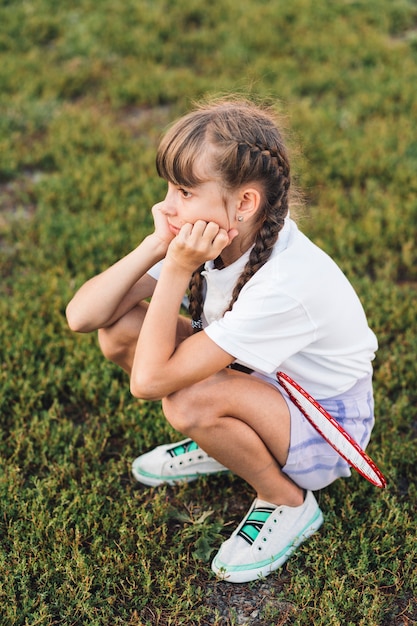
<point>174,463</point>
<point>265,539</point>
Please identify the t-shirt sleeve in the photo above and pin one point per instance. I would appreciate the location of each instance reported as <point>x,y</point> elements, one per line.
<point>155,270</point>
<point>265,334</point>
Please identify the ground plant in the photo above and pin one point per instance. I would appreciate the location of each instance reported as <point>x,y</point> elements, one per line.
<point>86,89</point>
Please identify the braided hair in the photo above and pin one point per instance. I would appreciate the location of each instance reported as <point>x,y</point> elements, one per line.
<point>245,147</point>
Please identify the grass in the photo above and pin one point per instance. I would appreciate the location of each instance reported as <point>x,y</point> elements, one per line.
<point>85,90</point>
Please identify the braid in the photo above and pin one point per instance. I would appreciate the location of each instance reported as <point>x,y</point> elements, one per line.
<point>259,255</point>
<point>195,295</point>
<point>275,210</point>
<point>267,153</point>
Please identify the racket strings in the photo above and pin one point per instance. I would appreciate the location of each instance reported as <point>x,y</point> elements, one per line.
<point>343,443</point>
<point>332,432</point>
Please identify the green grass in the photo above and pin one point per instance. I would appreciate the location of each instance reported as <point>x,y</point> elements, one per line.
<point>86,89</point>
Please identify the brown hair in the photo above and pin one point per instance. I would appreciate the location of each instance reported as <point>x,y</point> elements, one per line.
<point>246,147</point>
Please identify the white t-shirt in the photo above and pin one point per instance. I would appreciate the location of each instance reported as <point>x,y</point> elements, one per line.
<point>298,314</point>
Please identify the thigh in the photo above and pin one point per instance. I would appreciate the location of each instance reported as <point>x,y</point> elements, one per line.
<point>231,393</point>
<point>129,326</point>
<point>118,341</point>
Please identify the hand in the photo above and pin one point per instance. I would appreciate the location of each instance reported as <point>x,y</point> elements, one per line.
<point>197,243</point>
<point>162,230</point>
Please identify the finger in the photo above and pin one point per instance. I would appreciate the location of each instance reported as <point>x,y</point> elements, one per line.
<point>199,228</point>
<point>186,230</point>
<point>221,239</point>
<point>232,233</point>
<point>211,230</point>
<point>158,207</point>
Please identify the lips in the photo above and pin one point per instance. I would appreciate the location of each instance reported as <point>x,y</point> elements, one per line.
<point>174,230</point>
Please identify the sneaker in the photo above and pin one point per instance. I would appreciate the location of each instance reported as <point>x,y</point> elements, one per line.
<point>174,463</point>
<point>265,539</point>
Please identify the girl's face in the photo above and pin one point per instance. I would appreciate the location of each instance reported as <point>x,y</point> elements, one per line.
<point>206,201</point>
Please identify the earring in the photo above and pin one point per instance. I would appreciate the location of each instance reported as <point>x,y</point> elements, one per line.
<point>240,218</point>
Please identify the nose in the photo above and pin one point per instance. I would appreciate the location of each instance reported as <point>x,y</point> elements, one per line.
<point>169,207</point>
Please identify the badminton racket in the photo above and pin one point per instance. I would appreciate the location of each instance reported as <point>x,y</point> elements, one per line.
<point>332,431</point>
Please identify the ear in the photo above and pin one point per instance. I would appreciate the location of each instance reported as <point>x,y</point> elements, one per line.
<point>249,201</point>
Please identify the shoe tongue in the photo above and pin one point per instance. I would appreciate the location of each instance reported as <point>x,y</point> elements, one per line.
<point>264,504</point>
<point>255,520</point>
<point>183,448</point>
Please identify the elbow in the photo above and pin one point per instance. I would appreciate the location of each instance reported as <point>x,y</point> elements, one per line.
<point>143,389</point>
<point>147,386</point>
<point>74,320</point>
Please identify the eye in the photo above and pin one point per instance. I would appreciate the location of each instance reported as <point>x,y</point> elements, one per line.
<point>184,192</point>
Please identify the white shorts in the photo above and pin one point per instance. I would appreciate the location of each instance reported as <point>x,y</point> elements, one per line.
<point>312,463</point>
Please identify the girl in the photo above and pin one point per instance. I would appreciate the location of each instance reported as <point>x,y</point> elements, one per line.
<point>262,297</point>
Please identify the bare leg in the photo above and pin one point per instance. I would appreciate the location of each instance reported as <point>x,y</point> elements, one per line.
<point>243,423</point>
<point>237,419</point>
<point>118,342</point>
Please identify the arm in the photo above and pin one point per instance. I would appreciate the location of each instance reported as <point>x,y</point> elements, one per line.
<point>103,299</point>
<point>107,296</point>
<point>159,368</point>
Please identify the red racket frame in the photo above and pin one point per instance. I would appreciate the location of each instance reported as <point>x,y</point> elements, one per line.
<point>287,382</point>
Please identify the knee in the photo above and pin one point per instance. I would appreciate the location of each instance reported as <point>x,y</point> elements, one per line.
<point>106,342</point>
<point>118,341</point>
<point>186,412</point>
<point>113,342</point>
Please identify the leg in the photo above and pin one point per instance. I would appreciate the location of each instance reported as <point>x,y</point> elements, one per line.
<point>225,416</point>
<point>243,423</point>
<point>118,342</point>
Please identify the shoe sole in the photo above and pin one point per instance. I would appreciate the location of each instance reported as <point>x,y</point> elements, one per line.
<point>248,573</point>
<point>153,480</point>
